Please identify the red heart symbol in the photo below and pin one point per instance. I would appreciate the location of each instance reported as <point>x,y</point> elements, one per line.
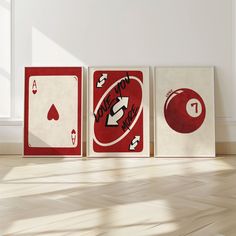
<point>53,113</point>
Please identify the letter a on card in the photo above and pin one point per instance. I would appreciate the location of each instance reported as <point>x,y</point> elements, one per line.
<point>118,105</point>
<point>53,111</point>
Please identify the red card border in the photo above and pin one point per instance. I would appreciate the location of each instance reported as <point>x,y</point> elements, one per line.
<point>47,71</point>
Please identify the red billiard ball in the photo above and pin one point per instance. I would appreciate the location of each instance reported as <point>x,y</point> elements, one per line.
<point>184,110</point>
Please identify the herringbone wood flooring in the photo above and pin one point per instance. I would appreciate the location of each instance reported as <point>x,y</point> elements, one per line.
<point>118,197</point>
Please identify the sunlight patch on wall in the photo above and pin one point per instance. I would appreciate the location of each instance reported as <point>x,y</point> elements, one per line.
<point>46,52</point>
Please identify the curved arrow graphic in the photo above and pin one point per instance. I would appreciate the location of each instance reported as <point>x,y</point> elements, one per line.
<point>117,111</point>
<point>102,80</point>
<point>134,143</point>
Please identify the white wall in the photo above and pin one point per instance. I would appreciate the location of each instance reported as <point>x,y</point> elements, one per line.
<point>129,33</point>
<point>5,53</point>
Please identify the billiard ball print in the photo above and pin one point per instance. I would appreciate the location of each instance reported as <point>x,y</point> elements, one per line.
<point>184,111</point>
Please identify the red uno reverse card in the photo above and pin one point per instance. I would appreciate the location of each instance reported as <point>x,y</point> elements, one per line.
<point>118,122</point>
<point>53,111</point>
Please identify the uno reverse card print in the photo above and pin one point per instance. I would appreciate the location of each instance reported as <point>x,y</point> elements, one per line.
<point>118,106</point>
<point>53,111</point>
<point>184,112</point>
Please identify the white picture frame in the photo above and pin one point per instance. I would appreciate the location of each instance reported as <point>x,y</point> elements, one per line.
<point>116,146</point>
<point>184,112</point>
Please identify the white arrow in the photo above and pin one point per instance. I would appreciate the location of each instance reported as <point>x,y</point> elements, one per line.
<point>121,102</point>
<point>117,111</point>
<point>134,143</point>
<point>102,80</point>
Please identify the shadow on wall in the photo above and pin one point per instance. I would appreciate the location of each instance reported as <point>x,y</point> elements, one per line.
<point>122,33</point>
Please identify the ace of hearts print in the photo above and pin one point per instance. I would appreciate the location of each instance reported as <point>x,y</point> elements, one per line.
<point>53,111</point>
<point>118,111</point>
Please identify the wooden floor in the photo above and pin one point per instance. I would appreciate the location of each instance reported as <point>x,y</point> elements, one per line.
<point>118,197</point>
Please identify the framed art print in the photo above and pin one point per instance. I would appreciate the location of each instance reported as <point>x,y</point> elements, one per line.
<point>184,112</point>
<point>53,111</point>
<point>118,112</point>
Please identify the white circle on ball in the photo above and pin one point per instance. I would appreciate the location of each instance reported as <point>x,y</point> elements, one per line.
<point>194,107</point>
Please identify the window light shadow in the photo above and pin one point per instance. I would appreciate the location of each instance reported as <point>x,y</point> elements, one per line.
<point>121,199</point>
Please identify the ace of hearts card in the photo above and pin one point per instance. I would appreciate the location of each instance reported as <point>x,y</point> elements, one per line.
<point>118,112</point>
<point>184,112</point>
<point>53,111</point>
